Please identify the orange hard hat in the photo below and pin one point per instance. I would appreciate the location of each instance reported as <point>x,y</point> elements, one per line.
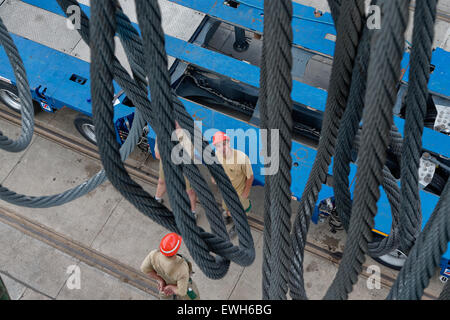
<point>170,244</point>
<point>220,136</point>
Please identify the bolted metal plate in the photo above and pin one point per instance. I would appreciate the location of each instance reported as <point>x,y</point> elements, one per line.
<point>426,172</point>
<point>442,123</point>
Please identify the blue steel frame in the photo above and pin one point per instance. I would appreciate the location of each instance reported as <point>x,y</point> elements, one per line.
<point>48,68</point>
<point>310,32</point>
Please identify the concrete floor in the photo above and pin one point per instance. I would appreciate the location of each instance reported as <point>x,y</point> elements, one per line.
<point>104,221</point>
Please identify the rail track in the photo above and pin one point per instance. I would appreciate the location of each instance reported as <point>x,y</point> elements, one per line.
<point>100,261</point>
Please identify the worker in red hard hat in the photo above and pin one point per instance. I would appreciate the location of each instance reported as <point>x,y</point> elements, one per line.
<point>171,270</point>
<point>238,168</point>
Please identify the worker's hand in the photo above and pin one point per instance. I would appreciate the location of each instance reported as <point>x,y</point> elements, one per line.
<point>161,285</point>
<point>213,181</point>
<point>169,290</point>
<point>244,195</point>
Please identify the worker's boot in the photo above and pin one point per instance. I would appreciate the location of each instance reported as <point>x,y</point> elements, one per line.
<point>226,217</point>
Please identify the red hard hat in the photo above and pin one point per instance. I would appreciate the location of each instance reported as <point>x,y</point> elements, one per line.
<point>219,137</point>
<point>170,244</point>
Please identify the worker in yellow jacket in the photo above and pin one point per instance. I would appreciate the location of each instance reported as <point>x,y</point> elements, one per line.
<point>238,168</point>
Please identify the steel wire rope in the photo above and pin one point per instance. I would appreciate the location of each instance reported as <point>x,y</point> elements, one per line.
<point>23,88</point>
<point>384,75</point>
<point>244,253</point>
<point>425,255</point>
<point>349,31</point>
<point>198,249</point>
<point>416,110</point>
<point>276,91</point>
<point>84,188</point>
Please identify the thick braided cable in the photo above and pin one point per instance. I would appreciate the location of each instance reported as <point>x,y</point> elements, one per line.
<point>392,190</point>
<point>149,17</point>
<point>136,88</point>
<point>103,30</point>
<point>346,137</point>
<point>264,120</point>
<point>104,33</point>
<point>150,22</point>
<point>23,88</point>
<point>392,241</point>
<point>133,48</point>
<point>244,253</point>
<point>445,294</point>
<point>277,91</point>
<point>348,129</point>
<point>160,214</point>
<point>129,86</point>
<point>3,291</point>
<point>425,255</point>
<point>416,110</point>
<point>384,74</point>
<point>335,8</point>
<point>349,28</point>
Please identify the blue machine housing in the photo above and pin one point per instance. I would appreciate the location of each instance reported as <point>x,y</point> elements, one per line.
<point>58,80</point>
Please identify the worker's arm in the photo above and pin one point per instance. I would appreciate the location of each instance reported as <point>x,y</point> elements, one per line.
<point>182,276</point>
<point>248,186</point>
<point>180,289</point>
<point>248,171</point>
<point>147,268</point>
<point>161,281</point>
<point>157,155</point>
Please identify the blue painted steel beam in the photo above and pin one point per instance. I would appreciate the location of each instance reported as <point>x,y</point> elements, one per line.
<point>213,61</point>
<point>309,96</point>
<point>440,78</point>
<point>77,96</point>
<point>55,75</point>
